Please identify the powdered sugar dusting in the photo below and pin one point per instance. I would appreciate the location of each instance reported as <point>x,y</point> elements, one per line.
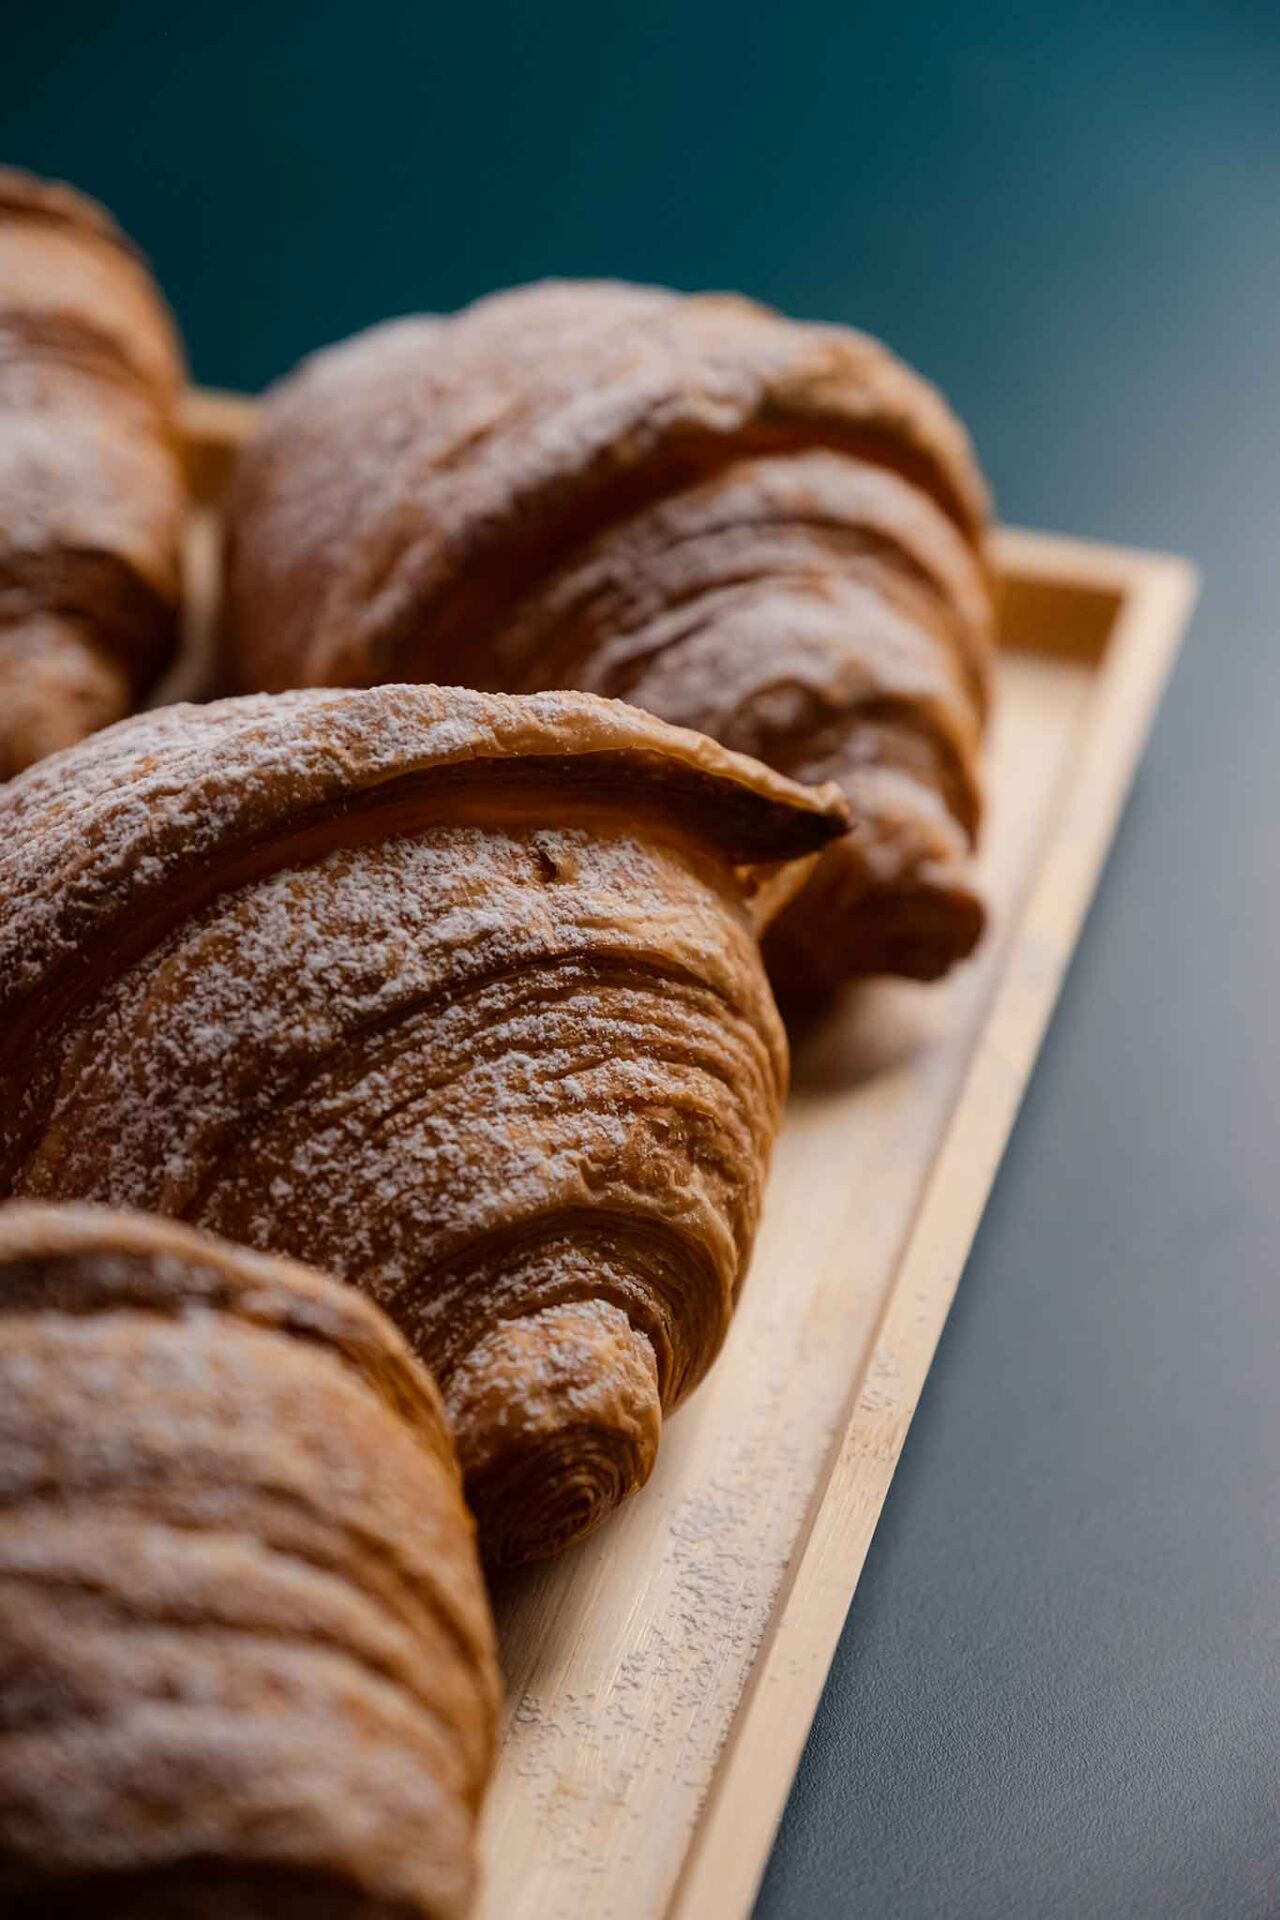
<point>88,834</point>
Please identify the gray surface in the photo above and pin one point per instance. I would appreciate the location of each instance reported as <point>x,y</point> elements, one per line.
<point>1059,1689</point>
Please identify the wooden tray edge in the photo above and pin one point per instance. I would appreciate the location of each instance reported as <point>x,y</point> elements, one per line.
<point>1155,595</point>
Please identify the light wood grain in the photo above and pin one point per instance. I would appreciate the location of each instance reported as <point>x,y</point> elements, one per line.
<point>662,1678</point>
<point>1082,787</point>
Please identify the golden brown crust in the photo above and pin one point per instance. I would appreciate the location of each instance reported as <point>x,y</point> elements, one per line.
<point>769,531</point>
<point>91,486</point>
<point>245,1655</point>
<point>56,685</point>
<point>454,994</point>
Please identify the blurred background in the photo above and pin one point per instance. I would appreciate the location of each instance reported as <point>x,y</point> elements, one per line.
<point>1058,1691</point>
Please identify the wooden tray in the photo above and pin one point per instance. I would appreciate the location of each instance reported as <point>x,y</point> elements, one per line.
<point>662,1677</point>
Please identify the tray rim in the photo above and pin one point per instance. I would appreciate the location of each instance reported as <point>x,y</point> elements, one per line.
<point>1153,594</point>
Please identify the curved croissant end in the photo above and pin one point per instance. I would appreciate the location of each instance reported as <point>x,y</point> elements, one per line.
<point>769,531</point>
<point>247,1658</point>
<point>453,994</point>
<point>91,486</point>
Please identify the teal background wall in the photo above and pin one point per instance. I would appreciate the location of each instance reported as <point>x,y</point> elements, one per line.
<point>1042,206</point>
<point>1058,1692</point>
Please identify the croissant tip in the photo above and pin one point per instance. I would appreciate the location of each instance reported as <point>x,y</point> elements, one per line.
<point>57,685</point>
<point>557,1417</point>
<point>915,932</point>
<point>545,1498</point>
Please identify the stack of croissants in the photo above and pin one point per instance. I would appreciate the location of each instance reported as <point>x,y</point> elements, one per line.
<point>389,1065</point>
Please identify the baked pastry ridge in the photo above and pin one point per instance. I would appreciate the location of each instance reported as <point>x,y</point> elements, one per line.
<point>246,1661</point>
<point>92,492</point>
<point>771,531</point>
<point>455,995</point>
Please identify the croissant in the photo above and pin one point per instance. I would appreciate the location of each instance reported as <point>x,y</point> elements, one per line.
<point>91,483</point>
<point>768,531</point>
<point>453,994</point>
<point>246,1661</point>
